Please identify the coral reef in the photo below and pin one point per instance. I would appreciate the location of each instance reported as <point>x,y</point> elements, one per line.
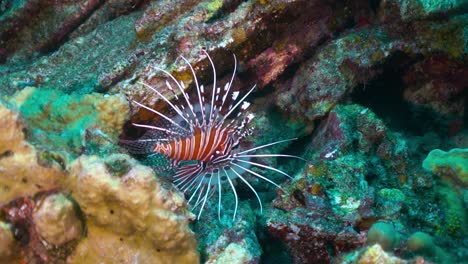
<point>438,83</point>
<point>375,92</point>
<point>312,236</point>
<point>361,173</point>
<point>86,210</point>
<point>235,242</point>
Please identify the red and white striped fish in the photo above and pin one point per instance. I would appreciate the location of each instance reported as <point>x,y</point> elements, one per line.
<point>201,138</point>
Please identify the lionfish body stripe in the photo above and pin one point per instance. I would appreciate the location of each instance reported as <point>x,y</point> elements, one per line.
<point>201,139</point>
<point>202,145</point>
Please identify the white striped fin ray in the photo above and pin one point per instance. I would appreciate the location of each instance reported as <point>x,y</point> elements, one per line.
<point>237,123</point>
<point>174,107</point>
<point>218,102</point>
<point>188,110</point>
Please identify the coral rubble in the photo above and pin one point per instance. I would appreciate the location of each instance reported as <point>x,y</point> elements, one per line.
<point>56,221</point>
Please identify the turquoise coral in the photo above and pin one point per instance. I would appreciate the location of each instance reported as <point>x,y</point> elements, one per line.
<point>384,234</point>
<point>453,162</point>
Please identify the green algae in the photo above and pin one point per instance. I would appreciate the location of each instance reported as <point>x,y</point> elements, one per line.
<point>118,166</point>
<point>440,5</point>
<point>391,202</point>
<point>454,221</point>
<point>71,123</point>
<point>423,9</point>
<point>48,158</point>
<point>56,119</point>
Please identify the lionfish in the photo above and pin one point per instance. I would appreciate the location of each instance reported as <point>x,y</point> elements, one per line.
<point>202,137</point>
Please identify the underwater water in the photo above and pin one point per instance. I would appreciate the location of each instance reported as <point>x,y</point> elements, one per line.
<point>227,131</point>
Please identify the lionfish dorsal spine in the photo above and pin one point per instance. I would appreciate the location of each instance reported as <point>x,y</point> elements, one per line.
<point>213,91</point>
<point>176,109</point>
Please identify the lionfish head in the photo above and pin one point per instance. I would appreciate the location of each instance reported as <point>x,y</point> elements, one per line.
<point>202,135</point>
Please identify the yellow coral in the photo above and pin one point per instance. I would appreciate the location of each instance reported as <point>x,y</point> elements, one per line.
<point>376,255</point>
<point>21,173</point>
<point>8,245</point>
<point>136,207</point>
<point>131,215</point>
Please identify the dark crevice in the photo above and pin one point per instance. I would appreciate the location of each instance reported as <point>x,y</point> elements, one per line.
<point>7,153</point>
<point>384,96</point>
<point>273,250</point>
<point>374,5</point>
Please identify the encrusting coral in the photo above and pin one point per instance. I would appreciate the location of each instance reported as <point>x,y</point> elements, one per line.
<point>127,212</point>
<point>453,163</point>
<point>135,212</point>
<point>21,170</point>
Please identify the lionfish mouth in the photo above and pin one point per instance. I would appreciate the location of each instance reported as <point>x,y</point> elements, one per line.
<point>201,137</point>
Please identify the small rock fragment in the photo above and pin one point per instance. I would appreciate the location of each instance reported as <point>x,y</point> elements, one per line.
<point>56,220</point>
<point>7,241</point>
